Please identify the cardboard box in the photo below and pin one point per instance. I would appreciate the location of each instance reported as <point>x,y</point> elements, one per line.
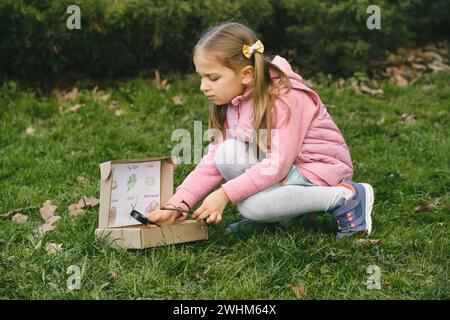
<point>112,224</point>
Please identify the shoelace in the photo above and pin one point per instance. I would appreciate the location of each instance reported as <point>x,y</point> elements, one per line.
<point>345,221</point>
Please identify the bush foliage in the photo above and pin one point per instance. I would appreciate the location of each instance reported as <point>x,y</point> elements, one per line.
<point>134,37</point>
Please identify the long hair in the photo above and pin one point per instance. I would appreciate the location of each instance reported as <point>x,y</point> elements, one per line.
<point>225,42</point>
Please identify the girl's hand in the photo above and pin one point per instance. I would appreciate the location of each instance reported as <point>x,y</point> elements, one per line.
<point>162,217</point>
<point>212,207</point>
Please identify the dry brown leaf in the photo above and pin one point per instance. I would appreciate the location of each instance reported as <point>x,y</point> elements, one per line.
<point>419,66</point>
<point>83,203</point>
<point>53,220</point>
<point>77,209</point>
<point>381,121</point>
<point>400,81</point>
<point>74,211</point>
<point>178,100</point>
<point>438,66</point>
<point>43,229</point>
<point>81,179</point>
<point>66,96</point>
<point>74,109</point>
<point>160,85</point>
<point>366,89</point>
<point>114,105</point>
<point>47,210</point>
<point>369,242</point>
<point>91,201</point>
<point>53,248</point>
<point>341,82</point>
<point>19,218</point>
<point>114,274</point>
<point>119,113</point>
<point>104,97</point>
<point>356,88</point>
<point>30,130</point>
<point>100,95</point>
<point>408,117</point>
<point>69,96</point>
<point>426,206</point>
<point>300,291</point>
<point>197,275</point>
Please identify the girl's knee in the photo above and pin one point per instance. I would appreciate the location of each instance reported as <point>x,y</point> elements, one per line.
<point>251,210</point>
<point>227,152</point>
<point>227,158</point>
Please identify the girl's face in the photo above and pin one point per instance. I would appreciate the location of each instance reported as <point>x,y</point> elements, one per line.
<point>219,83</point>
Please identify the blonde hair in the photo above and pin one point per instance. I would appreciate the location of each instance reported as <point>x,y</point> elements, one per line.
<point>224,42</point>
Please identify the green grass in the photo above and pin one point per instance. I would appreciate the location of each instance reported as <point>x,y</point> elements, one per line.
<point>407,163</point>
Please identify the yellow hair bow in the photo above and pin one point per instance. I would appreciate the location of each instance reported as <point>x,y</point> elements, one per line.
<point>248,50</point>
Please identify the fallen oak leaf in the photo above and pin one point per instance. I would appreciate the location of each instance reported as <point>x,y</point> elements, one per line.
<point>300,291</point>
<point>81,179</point>
<point>30,131</point>
<point>88,202</point>
<point>53,248</point>
<point>426,206</point>
<point>104,97</point>
<point>366,89</point>
<point>53,220</point>
<point>369,242</point>
<point>43,229</point>
<point>47,210</point>
<point>66,96</point>
<point>75,108</point>
<point>75,211</point>
<point>20,218</point>
<point>119,113</point>
<point>178,100</point>
<point>10,213</point>
<point>114,105</point>
<point>160,85</point>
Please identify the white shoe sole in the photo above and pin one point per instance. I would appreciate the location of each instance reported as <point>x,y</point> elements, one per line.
<point>370,196</point>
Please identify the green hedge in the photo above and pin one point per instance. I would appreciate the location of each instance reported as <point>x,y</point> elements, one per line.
<point>134,37</point>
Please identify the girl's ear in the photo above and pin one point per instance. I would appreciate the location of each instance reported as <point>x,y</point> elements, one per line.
<point>247,74</point>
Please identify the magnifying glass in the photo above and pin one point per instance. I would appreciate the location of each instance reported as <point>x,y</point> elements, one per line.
<point>141,218</point>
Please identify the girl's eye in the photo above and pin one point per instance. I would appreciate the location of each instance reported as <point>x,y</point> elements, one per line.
<point>213,79</point>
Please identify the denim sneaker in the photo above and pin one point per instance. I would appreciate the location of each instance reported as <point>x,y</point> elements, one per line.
<point>354,216</point>
<point>234,227</point>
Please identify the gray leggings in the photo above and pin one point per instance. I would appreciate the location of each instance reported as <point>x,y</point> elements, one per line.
<point>276,203</point>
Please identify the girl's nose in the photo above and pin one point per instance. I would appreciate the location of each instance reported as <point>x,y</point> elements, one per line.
<point>203,86</point>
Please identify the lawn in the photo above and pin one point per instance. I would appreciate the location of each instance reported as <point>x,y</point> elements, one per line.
<point>399,141</point>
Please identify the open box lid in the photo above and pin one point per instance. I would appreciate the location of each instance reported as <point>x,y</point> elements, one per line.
<point>168,165</point>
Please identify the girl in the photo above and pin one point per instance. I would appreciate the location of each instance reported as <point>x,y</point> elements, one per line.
<point>305,165</point>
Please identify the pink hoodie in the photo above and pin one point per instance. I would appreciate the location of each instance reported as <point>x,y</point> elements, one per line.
<point>310,140</point>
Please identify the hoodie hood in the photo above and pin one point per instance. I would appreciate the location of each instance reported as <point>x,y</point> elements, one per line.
<point>297,82</point>
<point>296,79</point>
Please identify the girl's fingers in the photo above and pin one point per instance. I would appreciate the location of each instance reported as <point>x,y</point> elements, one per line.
<point>218,218</point>
<point>198,212</point>
<point>204,215</point>
<point>211,218</point>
